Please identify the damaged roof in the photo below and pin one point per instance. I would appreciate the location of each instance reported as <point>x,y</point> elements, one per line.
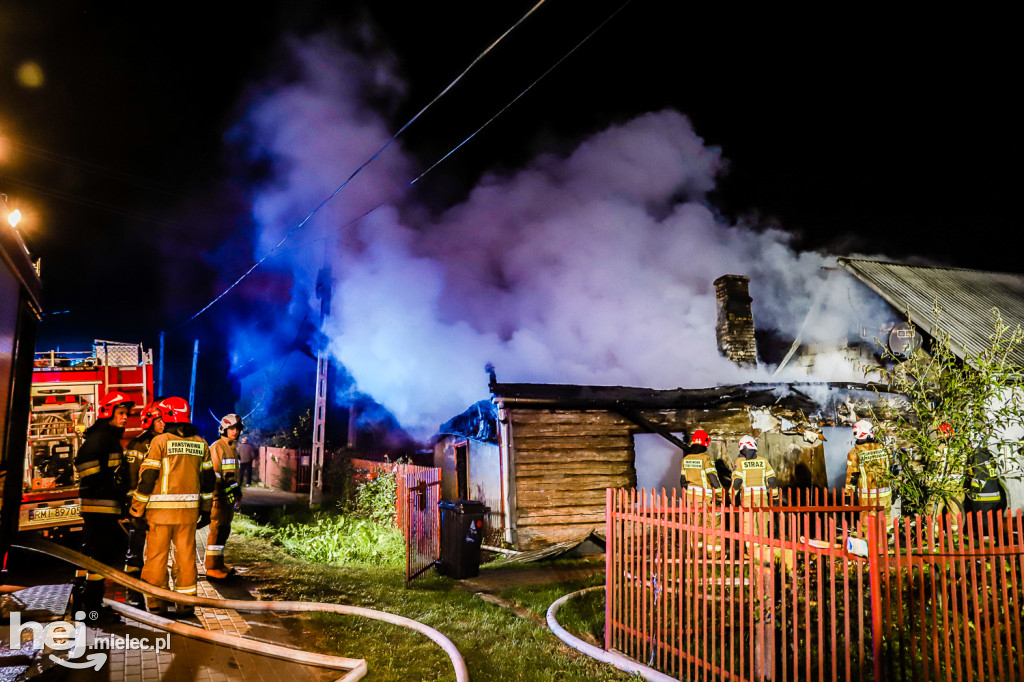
<point>965,298</point>
<point>794,395</point>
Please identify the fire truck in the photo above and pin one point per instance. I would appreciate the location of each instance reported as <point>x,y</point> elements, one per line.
<point>66,387</point>
<point>20,312</point>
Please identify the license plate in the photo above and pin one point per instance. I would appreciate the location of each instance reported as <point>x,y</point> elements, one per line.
<point>68,511</point>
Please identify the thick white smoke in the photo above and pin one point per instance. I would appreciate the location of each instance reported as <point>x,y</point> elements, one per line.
<point>595,267</point>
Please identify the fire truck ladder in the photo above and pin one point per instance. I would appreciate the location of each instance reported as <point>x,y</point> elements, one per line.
<point>124,356</point>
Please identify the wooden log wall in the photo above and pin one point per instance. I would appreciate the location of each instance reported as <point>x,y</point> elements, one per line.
<point>563,461</point>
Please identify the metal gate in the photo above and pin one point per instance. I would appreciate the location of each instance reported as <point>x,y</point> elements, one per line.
<point>423,521</point>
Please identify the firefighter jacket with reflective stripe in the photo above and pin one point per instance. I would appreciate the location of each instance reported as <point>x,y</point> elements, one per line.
<point>176,480</point>
<point>986,492</point>
<point>697,468</point>
<point>866,465</point>
<point>753,474</point>
<point>96,463</point>
<point>134,455</point>
<point>225,468</point>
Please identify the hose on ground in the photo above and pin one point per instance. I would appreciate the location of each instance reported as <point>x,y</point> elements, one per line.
<point>612,658</point>
<point>121,578</point>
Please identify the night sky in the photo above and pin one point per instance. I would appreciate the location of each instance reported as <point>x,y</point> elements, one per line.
<point>886,133</point>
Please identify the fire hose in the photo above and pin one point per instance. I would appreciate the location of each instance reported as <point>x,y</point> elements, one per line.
<point>356,667</point>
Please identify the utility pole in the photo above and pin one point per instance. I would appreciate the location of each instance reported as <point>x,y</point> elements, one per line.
<point>316,483</point>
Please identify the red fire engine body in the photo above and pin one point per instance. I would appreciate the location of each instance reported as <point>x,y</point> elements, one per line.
<point>66,387</point>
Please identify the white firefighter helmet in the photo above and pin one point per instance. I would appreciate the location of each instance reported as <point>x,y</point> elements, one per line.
<point>863,429</point>
<point>748,443</point>
<point>230,420</point>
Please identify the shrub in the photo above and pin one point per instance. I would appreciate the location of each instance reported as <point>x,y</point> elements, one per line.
<point>375,498</point>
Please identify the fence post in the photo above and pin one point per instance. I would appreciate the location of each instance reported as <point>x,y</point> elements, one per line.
<point>874,568</point>
<point>609,560</point>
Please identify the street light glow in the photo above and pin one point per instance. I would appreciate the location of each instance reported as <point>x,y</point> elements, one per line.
<point>14,217</point>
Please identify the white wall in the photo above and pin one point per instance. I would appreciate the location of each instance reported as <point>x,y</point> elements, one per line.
<point>658,462</point>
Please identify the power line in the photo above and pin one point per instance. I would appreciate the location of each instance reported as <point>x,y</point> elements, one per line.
<point>371,159</point>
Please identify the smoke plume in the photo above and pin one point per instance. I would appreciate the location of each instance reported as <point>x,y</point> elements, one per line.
<point>594,266</point>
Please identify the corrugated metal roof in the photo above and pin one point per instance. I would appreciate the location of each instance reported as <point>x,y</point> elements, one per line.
<point>965,297</point>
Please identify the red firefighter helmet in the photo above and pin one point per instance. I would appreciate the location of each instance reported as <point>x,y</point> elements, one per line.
<point>700,437</point>
<point>150,413</point>
<point>174,410</point>
<point>109,402</point>
<point>748,443</point>
<point>230,420</point>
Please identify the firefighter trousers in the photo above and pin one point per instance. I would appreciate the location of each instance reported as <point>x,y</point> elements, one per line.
<point>220,528</point>
<point>159,540</point>
<point>101,540</point>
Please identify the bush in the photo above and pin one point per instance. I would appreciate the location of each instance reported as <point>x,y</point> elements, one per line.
<point>375,498</point>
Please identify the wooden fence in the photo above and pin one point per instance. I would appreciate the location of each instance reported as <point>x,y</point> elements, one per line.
<point>811,589</point>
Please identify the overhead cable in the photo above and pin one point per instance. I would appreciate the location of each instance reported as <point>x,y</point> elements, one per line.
<point>372,158</point>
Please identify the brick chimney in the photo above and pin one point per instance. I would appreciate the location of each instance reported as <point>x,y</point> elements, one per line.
<point>735,326</point>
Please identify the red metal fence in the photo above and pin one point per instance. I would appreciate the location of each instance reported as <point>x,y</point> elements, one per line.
<point>365,467</point>
<point>775,592</point>
<point>423,527</point>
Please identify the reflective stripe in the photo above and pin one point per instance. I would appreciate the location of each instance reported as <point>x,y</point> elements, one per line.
<point>88,468</point>
<point>93,577</point>
<point>872,492</point>
<point>208,464</point>
<point>99,510</point>
<point>150,464</point>
<point>101,502</point>
<point>229,462</point>
<point>206,496</point>
<point>214,550</point>
<point>114,460</point>
<point>175,497</point>
<point>140,497</point>
<point>185,504</point>
<point>185,590</point>
<point>984,497</point>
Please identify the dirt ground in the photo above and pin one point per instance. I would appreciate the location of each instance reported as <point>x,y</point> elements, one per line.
<point>497,578</point>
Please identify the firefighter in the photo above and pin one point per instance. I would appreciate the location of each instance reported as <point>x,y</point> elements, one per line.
<point>698,476</point>
<point>227,497</point>
<point>950,499</point>
<point>134,455</point>
<point>986,494</point>
<point>754,479</point>
<point>755,484</point>
<point>102,496</point>
<point>175,492</point>
<point>866,465</point>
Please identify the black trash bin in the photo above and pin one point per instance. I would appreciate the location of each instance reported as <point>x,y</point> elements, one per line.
<point>462,528</point>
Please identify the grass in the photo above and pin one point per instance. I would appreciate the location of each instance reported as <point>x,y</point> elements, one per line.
<point>496,644</point>
<point>331,539</point>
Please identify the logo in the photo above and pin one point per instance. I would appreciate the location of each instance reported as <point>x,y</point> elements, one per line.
<point>70,636</point>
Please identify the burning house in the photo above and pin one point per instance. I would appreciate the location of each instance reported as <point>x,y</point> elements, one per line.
<point>541,455</point>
